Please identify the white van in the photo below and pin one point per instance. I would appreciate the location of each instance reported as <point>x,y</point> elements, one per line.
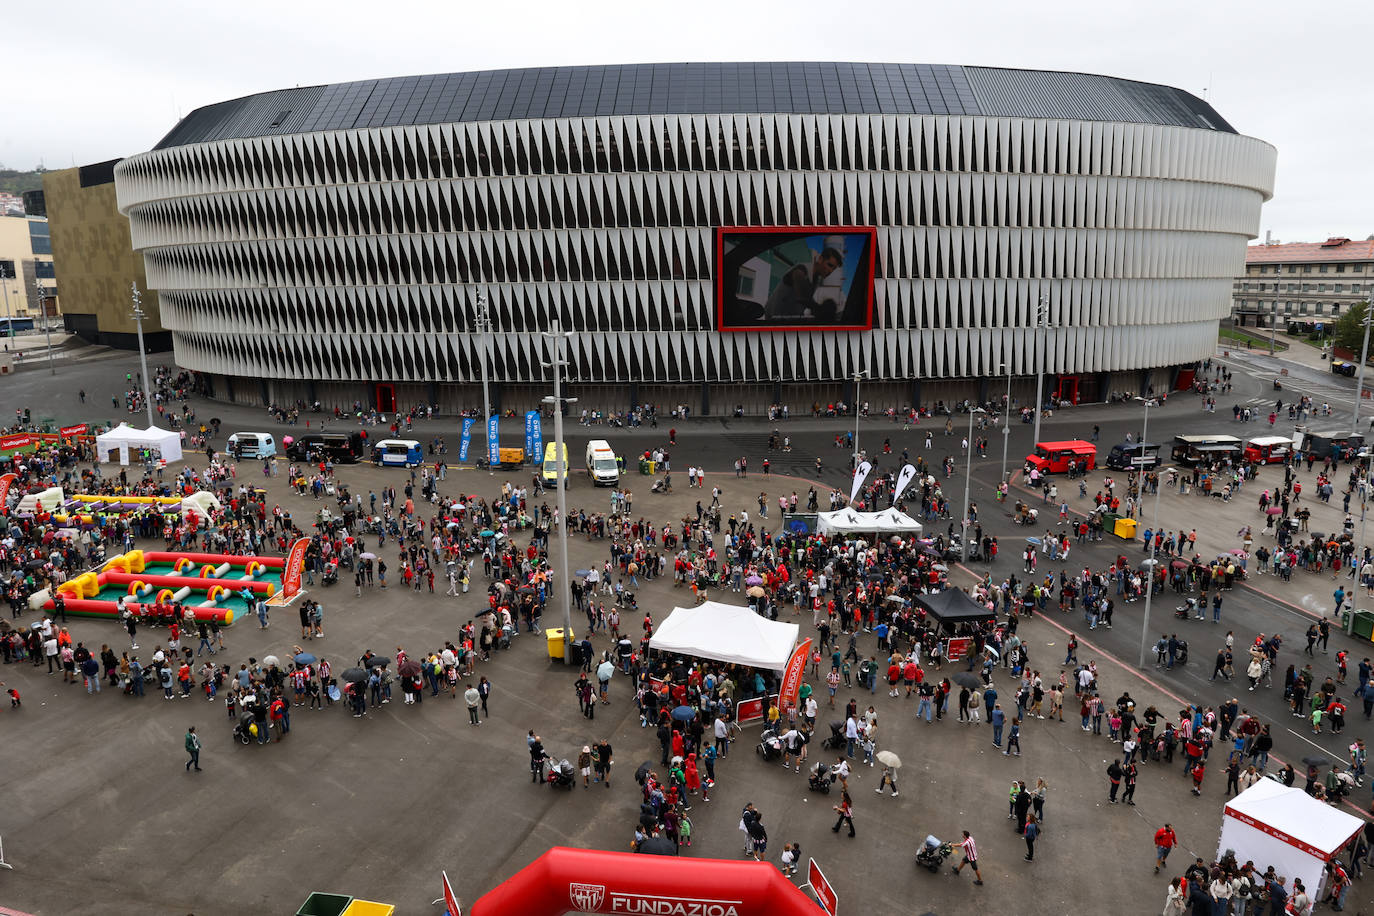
<point>252,445</point>
<point>602,466</point>
<point>403,453</point>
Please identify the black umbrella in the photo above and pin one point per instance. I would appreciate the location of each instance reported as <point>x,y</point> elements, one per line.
<point>1315,761</point>
<point>35,564</point>
<point>378,661</point>
<point>658,846</point>
<point>643,772</point>
<point>968,679</point>
<point>355,676</point>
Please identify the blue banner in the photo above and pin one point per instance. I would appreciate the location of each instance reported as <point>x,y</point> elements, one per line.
<point>466,440</point>
<point>494,439</point>
<point>534,436</point>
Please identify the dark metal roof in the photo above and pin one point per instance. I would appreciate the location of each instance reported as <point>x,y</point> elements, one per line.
<point>723,88</point>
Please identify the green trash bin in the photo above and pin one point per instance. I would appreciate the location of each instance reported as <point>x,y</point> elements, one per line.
<point>644,467</point>
<point>322,904</point>
<point>1361,625</point>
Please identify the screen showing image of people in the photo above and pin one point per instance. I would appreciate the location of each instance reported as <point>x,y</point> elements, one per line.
<point>782,279</point>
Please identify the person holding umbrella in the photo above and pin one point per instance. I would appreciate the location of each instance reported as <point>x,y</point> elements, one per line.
<point>891,762</point>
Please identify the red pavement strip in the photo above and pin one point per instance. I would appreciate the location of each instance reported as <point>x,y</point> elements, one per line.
<point>1137,673</point>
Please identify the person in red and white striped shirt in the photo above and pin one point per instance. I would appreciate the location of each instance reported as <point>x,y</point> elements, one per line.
<point>970,858</point>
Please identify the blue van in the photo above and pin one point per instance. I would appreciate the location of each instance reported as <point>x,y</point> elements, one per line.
<point>401,453</point>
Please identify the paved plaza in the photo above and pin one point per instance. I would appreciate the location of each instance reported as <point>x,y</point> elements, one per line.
<point>100,809</point>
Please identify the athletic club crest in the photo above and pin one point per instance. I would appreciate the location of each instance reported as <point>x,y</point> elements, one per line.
<point>587,897</point>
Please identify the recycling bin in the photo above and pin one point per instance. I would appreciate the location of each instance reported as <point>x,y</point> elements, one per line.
<point>555,638</point>
<point>1125,529</point>
<point>322,904</point>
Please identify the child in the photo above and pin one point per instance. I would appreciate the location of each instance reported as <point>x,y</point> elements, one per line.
<point>869,746</point>
<point>1199,770</point>
<point>1317,720</point>
<point>684,829</point>
<point>14,698</point>
<point>790,853</point>
<point>1115,724</point>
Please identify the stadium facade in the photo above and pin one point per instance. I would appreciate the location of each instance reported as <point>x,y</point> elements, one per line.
<point>774,227</point>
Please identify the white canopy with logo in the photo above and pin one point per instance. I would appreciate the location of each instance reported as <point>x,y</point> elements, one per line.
<point>115,444</point>
<point>849,521</point>
<point>727,633</point>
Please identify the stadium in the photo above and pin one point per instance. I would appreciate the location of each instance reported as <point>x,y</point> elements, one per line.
<point>713,235</point>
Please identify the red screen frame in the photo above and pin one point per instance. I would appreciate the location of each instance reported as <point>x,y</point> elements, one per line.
<point>721,231</point>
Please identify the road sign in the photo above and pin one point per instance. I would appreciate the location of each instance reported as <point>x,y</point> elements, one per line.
<point>825,894</point>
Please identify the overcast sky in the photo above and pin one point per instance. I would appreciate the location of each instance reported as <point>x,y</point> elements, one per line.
<point>89,81</point>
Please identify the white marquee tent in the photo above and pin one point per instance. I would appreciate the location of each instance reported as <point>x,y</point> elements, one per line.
<point>115,444</point>
<point>848,521</point>
<point>1273,824</point>
<point>727,633</point>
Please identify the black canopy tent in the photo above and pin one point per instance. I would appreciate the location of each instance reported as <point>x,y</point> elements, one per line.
<point>952,607</point>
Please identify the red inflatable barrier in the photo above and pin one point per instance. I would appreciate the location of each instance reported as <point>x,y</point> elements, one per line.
<point>590,881</point>
<point>106,610</point>
<point>163,556</point>
<point>194,583</point>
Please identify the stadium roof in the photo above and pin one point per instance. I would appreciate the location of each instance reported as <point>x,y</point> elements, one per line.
<point>701,88</point>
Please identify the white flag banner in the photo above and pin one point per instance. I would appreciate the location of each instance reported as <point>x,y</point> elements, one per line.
<point>860,475</point>
<point>904,478</point>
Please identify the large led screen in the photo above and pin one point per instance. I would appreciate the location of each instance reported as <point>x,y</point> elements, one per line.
<point>811,278</point>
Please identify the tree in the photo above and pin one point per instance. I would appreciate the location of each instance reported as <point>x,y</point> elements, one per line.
<point>1349,329</point>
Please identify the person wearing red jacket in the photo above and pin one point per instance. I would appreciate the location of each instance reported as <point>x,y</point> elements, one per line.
<point>1165,841</point>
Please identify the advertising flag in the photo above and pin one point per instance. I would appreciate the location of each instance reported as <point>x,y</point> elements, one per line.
<point>450,899</point>
<point>860,475</point>
<point>792,677</point>
<point>291,571</point>
<point>5,483</point>
<point>466,440</point>
<point>494,439</point>
<point>534,436</point>
<point>904,478</point>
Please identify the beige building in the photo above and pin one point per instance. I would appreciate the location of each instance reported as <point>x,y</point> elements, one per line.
<point>25,257</point>
<point>95,260</point>
<point>1302,281</point>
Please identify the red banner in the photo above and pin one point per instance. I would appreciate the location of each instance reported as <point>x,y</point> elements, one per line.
<point>450,901</point>
<point>792,677</point>
<point>751,710</point>
<point>5,482</point>
<point>291,572</point>
<point>8,443</point>
<point>76,430</point>
<point>825,893</point>
<point>957,648</point>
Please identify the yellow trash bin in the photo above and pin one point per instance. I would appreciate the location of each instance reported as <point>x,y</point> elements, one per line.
<point>1125,529</point>
<point>555,637</point>
<point>369,908</point>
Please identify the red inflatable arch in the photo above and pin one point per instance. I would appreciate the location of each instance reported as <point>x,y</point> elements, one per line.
<point>566,880</point>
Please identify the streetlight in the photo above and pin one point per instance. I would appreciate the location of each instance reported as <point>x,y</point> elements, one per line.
<point>47,331</point>
<point>561,481</point>
<point>1274,321</point>
<point>1150,577</point>
<point>1359,385</point>
<point>968,476</point>
<point>9,318</point>
<point>858,377</point>
<point>138,316</point>
<point>1042,322</point>
<point>484,326</point>
<point>1006,425</point>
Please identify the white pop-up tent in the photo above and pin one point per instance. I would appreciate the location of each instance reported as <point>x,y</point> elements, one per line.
<point>1272,824</point>
<point>849,521</point>
<point>115,444</point>
<point>727,633</point>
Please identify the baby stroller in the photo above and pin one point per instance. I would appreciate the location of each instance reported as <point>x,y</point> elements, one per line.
<point>932,854</point>
<point>819,779</point>
<point>836,739</point>
<point>244,731</point>
<point>331,572</point>
<point>770,745</point>
<point>561,776</point>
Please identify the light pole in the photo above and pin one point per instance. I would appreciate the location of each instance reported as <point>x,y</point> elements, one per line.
<point>484,326</point>
<point>47,331</point>
<point>561,482</point>
<point>1359,385</point>
<point>1042,322</point>
<point>968,477</point>
<point>1274,322</point>
<point>1006,424</point>
<point>9,317</point>
<point>1150,578</point>
<point>858,377</point>
<point>138,316</point>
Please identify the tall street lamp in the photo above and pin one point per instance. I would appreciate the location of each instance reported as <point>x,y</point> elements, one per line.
<point>47,331</point>
<point>556,364</point>
<point>9,316</point>
<point>1006,423</point>
<point>858,377</point>
<point>138,316</point>
<point>1042,322</point>
<point>484,327</point>
<point>1150,577</point>
<point>968,477</point>
<point>1359,385</point>
<point>1274,321</point>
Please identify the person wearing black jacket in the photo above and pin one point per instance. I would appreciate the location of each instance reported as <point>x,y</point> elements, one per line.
<point>537,757</point>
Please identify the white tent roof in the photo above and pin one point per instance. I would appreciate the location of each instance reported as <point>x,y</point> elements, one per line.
<point>1270,806</point>
<point>727,633</point>
<point>126,436</point>
<point>849,521</point>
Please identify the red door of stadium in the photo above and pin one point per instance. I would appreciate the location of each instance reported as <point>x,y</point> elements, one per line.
<point>1068,389</point>
<point>386,398</point>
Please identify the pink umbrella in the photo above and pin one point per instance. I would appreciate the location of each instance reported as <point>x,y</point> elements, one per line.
<point>1273,510</point>
<point>287,440</point>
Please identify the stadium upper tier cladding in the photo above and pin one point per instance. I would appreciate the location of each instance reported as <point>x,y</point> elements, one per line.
<point>906,220</point>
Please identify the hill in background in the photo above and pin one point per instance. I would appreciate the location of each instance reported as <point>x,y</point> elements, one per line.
<point>17,182</point>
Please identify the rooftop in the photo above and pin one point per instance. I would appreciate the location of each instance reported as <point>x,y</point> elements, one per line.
<point>1333,249</point>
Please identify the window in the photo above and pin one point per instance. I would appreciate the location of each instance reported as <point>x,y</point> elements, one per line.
<point>1340,268</point>
<point>1324,268</point>
<point>1335,309</point>
<point>1307,268</point>
<point>1338,288</point>
<point>746,282</point>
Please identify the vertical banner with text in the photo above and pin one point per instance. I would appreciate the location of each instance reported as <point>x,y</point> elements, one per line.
<point>494,439</point>
<point>534,437</point>
<point>291,571</point>
<point>792,678</point>
<point>466,439</point>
